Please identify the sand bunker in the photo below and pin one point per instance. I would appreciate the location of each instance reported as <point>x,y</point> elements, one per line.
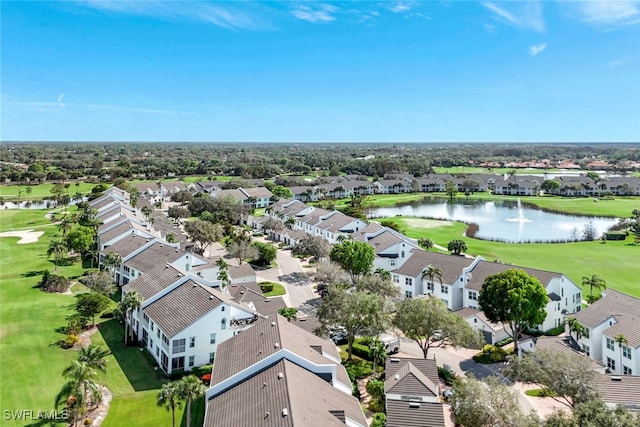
<point>26,236</point>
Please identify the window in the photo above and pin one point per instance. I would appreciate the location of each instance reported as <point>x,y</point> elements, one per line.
<point>444,289</point>
<point>586,350</point>
<point>430,286</point>
<point>165,339</point>
<point>126,269</point>
<point>626,371</point>
<point>192,342</point>
<point>396,279</point>
<point>611,364</point>
<point>177,363</point>
<point>179,346</point>
<point>626,352</point>
<point>212,338</point>
<point>192,361</point>
<point>558,307</point>
<point>610,344</point>
<point>157,351</point>
<point>212,356</point>
<point>223,324</point>
<point>408,294</point>
<point>561,292</point>
<point>473,295</point>
<point>158,333</point>
<point>145,336</point>
<point>145,317</point>
<point>222,308</point>
<point>408,281</point>
<point>151,326</point>
<point>586,333</point>
<point>392,262</point>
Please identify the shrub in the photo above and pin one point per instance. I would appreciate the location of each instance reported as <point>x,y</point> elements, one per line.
<point>88,421</point>
<point>69,341</point>
<point>490,354</point>
<point>379,420</point>
<point>54,283</point>
<point>554,332</point>
<point>505,342</point>
<point>361,351</point>
<point>266,287</point>
<point>446,375</point>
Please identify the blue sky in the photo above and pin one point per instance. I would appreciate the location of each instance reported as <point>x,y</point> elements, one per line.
<point>408,71</point>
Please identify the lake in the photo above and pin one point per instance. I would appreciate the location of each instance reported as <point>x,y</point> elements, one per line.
<point>507,221</point>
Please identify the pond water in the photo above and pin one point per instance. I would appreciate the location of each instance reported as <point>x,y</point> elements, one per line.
<point>507,221</point>
<point>40,204</point>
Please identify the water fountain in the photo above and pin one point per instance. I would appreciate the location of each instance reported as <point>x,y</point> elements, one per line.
<point>520,217</point>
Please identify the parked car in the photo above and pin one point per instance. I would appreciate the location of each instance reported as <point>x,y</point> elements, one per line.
<point>339,338</point>
<point>391,343</point>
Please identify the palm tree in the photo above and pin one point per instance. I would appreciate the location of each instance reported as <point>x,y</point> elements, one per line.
<point>575,326</point>
<point>57,248</point>
<point>382,273</point>
<point>432,272</point>
<point>169,397</point>
<point>377,352</point>
<point>621,340</point>
<point>146,212</point>
<point>594,281</point>
<point>81,386</point>
<point>65,225</point>
<point>29,190</point>
<point>94,357</point>
<point>111,261</point>
<point>223,273</point>
<point>130,301</point>
<point>190,388</point>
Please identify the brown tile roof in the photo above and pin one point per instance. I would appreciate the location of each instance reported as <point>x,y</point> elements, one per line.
<point>409,381</point>
<point>485,268</point>
<point>250,294</point>
<point>428,367</point>
<point>414,414</point>
<point>242,270</point>
<point>258,192</point>
<point>451,265</point>
<point>127,246</point>
<point>612,304</point>
<point>467,312</point>
<point>629,327</point>
<point>269,306</point>
<point>124,228</point>
<point>620,390</point>
<point>155,254</point>
<point>259,342</point>
<point>116,210</point>
<point>284,395</point>
<point>185,304</point>
<point>240,289</point>
<point>154,281</point>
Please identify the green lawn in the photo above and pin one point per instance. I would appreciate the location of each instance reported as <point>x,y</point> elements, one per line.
<point>615,261</point>
<point>40,191</point>
<point>31,363</point>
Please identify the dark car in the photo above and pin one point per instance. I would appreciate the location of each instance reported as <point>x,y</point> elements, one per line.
<point>339,338</point>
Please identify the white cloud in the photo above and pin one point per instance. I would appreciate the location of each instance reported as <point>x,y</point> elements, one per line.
<point>60,99</point>
<point>537,49</point>
<point>58,105</point>
<point>219,14</point>
<point>320,13</point>
<point>523,14</point>
<point>616,63</point>
<point>490,28</point>
<point>402,6</point>
<point>610,13</point>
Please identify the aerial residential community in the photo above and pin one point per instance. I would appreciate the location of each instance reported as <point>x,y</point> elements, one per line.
<point>308,214</point>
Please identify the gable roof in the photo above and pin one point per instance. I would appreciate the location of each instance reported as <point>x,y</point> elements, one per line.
<point>483,269</point>
<point>127,245</point>
<point>624,308</point>
<point>468,312</point>
<point>284,394</point>
<point>154,280</point>
<point>259,341</point>
<point>450,265</point>
<point>126,227</point>
<point>158,252</point>
<point>414,414</point>
<point>186,304</point>
<point>409,381</point>
<point>620,390</point>
<point>427,368</point>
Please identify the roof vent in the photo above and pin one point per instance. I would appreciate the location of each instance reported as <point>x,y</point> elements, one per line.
<point>394,360</point>
<point>277,345</point>
<point>266,415</point>
<point>396,376</point>
<point>273,323</point>
<point>210,296</point>
<point>280,375</point>
<point>414,405</point>
<point>616,378</point>
<point>264,385</point>
<point>285,412</point>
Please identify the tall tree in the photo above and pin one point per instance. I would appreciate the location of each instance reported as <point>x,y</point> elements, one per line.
<point>425,243</point>
<point>81,239</point>
<point>288,313</point>
<point>147,211</point>
<point>91,304</point>
<point>428,322</point>
<point>81,386</point>
<point>190,388</point>
<point>575,326</point>
<point>378,284</point>
<point>131,301</point>
<point>65,224</point>
<point>377,353</point>
<point>314,246</point>
<point>432,272</point>
<point>242,250</point>
<point>101,282</point>
<point>355,257</point>
<point>451,190</point>
<point>594,281</point>
<point>359,313</point>
<point>621,340</point>
<point>177,213</point>
<point>94,356</point>
<point>488,403</point>
<point>514,298</point>
<point>569,376</point>
<point>457,246</point>
<point>223,272</point>
<point>57,249</point>
<point>169,397</point>
<point>203,232</point>
<point>112,261</point>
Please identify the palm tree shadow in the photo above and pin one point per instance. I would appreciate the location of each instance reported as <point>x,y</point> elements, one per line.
<point>133,362</point>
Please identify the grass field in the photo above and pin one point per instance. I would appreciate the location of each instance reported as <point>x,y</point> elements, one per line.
<point>40,191</point>
<point>31,363</point>
<point>615,261</point>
